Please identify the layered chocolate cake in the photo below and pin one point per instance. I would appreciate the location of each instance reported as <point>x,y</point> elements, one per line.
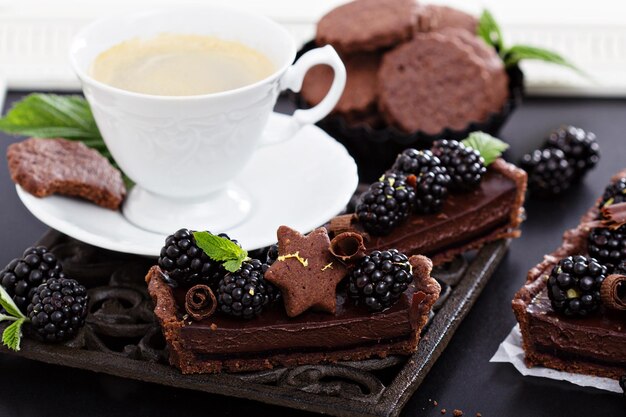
<point>580,329</point>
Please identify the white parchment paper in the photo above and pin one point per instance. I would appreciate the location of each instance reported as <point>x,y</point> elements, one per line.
<point>511,351</point>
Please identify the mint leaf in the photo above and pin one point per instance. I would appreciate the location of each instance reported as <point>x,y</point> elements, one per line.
<point>12,335</point>
<point>221,249</point>
<point>490,148</point>
<point>489,30</point>
<point>519,52</point>
<point>7,303</point>
<point>4,317</point>
<point>51,116</point>
<point>232,265</point>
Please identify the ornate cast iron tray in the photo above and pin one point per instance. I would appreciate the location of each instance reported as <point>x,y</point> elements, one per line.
<point>121,338</point>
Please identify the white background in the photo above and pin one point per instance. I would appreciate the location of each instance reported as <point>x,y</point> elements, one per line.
<point>34,35</point>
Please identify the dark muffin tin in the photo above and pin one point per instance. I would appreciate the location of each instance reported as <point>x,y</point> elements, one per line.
<point>122,338</point>
<point>375,149</point>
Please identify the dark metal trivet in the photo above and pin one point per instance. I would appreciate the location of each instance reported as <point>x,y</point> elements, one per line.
<point>122,338</point>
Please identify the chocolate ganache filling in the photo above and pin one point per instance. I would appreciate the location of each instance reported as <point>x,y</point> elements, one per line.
<point>274,332</point>
<point>600,337</point>
<point>465,216</point>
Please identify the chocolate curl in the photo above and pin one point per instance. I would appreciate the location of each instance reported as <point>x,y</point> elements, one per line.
<point>348,247</point>
<point>200,302</point>
<point>613,292</point>
<point>614,215</point>
<point>342,224</point>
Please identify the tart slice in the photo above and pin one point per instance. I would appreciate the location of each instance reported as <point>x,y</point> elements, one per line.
<point>322,315</point>
<point>447,217</point>
<point>561,329</point>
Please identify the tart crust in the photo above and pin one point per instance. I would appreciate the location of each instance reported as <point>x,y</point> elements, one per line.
<point>191,356</point>
<point>559,348</point>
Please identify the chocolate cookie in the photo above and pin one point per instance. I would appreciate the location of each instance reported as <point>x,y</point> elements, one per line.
<point>59,166</point>
<point>306,271</point>
<point>367,25</point>
<point>359,95</point>
<point>432,17</point>
<point>431,83</point>
<point>499,81</point>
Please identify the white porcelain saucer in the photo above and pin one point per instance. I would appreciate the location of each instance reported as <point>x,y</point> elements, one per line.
<point>302,183</point>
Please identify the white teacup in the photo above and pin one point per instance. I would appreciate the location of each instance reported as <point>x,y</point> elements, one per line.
<point>183,151</point>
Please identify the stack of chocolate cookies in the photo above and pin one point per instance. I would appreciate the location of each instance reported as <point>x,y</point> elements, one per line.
<point>410,66</point>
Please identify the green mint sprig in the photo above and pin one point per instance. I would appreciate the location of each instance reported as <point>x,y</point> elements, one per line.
<point>12,335</point>
<point>221,249</point>
<point>489,147</point>
<point>53,116</point>
<point>489,30</point>
<point>49,116</point>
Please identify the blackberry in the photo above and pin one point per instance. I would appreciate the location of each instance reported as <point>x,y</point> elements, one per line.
<point>574,285</point>
<point>464,164</point>
<point>548,171</point>
<point>385,204</point>
<point>245,293</point>
<point>620,269</point>
<point>186,264</point>
<point>431,191</point>
<point>614,193</point>
<point>379,279</point>
<point>607,246</point>
<point>21,276</point>
<point>272,254</point>
<point>580,148</point>
<point>57,309</point>
<point>415,162</point>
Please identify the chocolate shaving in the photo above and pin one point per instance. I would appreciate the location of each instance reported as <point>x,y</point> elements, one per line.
<point>613,292</point>
<point>200,302</point>
<point>348,247</point>
<point>342,224</point>
<point>614,215</point>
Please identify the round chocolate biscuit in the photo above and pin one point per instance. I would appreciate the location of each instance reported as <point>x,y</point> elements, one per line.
<point>431,83</point>
<point>431,17</point>
<point>367,25</point>
<point>499,82</point>
<point>359,95</point>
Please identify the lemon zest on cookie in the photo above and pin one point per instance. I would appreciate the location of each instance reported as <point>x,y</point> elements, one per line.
<point>304,262</point>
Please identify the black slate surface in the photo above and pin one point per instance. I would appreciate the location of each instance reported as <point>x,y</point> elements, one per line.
<point>462,378</point>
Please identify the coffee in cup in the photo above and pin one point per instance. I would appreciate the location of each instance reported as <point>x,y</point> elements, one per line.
<point>172,64</point>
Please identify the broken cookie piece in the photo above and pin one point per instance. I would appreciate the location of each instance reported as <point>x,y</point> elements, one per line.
<point>58,166</point>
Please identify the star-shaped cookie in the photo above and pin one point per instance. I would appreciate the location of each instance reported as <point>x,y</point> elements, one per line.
<point>305,271</point>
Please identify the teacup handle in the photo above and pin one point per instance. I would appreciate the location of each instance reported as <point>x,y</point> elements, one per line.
<point>292,80</point>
